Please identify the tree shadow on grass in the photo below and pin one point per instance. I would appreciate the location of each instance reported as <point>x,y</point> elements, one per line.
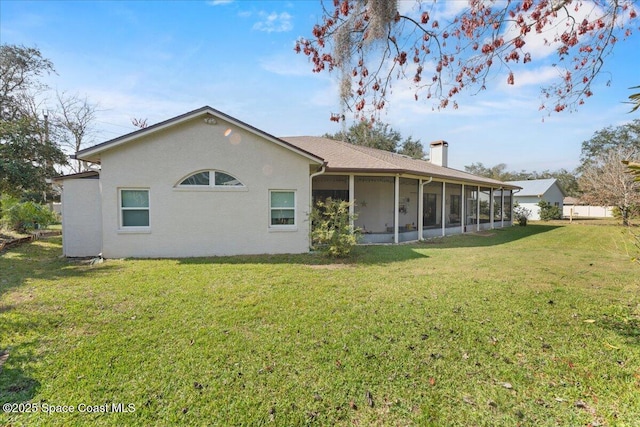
<point>15,386</point>
<point>384,253</point>
<point>627,327</point>
<point>498,236</point>
<point>40,260</point>
<point>37,260</point>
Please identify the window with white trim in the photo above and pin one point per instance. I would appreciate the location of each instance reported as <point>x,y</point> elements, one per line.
<point>204,179</point>
<point>282,208</point>
<point>134,208</point>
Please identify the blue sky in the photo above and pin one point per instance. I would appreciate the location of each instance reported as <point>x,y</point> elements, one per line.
<point>159,59</point>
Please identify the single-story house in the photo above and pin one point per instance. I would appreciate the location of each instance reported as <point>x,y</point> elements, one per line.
<point>573,208</point>
<point>534,191</point>
<point>204,183</point>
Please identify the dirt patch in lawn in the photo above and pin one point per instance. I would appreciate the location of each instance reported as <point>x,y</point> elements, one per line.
<point>329,266</point>
<point>484,233</point>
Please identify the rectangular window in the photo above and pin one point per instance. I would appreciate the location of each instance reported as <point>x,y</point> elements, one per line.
<point>282,207</point>
<point>134,208</point>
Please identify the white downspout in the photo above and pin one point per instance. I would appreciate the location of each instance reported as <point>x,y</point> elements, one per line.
<point>421,207</point>
<point>313,175</point>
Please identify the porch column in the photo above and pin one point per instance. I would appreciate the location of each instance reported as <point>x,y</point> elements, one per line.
<point>502,207</point>
<point>444,210</point>
<point>478,209</point>
<point>351,200</point>
<point>463,219</point>
<point>491,207</point>
<point>396,207</point>
<point>420,210</point>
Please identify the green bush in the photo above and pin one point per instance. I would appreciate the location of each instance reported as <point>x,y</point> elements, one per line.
<point>25,216</point>
<point>331,230</point>
<point>521,214</point>
<point>549,211</point>
<point>633,212</point>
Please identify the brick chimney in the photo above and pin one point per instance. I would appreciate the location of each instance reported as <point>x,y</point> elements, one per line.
<point>438,153</point>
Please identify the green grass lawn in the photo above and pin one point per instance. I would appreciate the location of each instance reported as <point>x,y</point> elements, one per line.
<point>536,325</point>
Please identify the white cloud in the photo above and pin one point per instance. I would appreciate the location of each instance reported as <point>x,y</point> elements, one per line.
<point>274,22</point>
<point>542,45</point>
<point>219,2</point>
<point>535,77</point>
<point>289,64</point>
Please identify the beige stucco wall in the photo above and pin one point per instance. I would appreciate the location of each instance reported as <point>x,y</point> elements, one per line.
<point>197,222</point>
<point>81,218</point>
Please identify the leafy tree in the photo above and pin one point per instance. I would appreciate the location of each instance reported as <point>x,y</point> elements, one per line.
<point>26,160</point>
<point>567,180</point>
<point>373,43</point>
<point>20,68</point>
<point>626,136</point>
<point>381,136</point>
<point>607,182</point>
<point>378,135</point>
<point>413,149</point>
<point>28,155</point>
<point>496,172</point>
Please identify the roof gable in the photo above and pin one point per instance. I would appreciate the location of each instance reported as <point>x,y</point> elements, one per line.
<point>536,187</point>
<point>92,154</point>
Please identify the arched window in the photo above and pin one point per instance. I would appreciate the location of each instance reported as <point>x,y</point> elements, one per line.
<point>204,179</point>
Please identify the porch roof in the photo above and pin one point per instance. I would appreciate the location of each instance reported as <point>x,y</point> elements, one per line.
<point>349,158</point>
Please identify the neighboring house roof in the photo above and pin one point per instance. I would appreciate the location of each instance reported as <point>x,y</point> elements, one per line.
<point>535,187</point>
<point>80,175</point>
<point>570,201</point>
<point>345,157</point>
<point>92,154</point>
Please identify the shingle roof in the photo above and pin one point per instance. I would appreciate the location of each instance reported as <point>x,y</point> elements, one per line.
<point>92,174</point>
<point>535,187</point>
<point>345,157</point>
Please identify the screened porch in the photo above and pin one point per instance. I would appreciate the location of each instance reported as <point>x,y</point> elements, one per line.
<point>393,209</point>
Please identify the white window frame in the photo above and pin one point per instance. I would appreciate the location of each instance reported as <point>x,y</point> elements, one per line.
<point>133,228</point>
<point>284,227</point>
<point>212,182</point>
